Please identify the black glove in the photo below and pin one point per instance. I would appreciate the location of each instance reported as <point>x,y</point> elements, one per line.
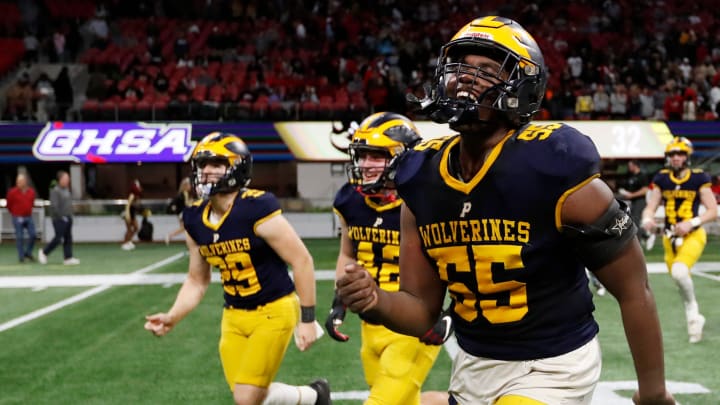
<point>441,331</point>
<point>335,319</point>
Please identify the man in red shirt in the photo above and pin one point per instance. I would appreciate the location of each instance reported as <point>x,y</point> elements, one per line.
<point>20,203</point>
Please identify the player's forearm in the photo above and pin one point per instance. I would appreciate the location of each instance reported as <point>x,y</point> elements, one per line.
<point>402,312</point>
<point>304,276</point>
<point>642,328</point>
<point>189,296</point>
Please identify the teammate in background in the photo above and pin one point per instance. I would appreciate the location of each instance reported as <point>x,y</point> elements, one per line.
<point>177,205</point>
<point>682,189</point>
<point>20,200</point>
<point>506,216</point>
<point>242,232</point>
<point>395,365</point>
<point>634,188</point>
<point>132,207</point>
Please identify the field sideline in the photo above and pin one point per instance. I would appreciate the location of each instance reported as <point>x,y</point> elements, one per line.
<point>76,334</point>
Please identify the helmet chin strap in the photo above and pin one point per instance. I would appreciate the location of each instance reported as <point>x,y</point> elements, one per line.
<point>384,195</point>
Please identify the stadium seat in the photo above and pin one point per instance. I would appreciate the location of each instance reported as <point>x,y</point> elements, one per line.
<point>89,110</point>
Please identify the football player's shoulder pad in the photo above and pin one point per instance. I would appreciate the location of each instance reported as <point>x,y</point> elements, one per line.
<point>558,149</point>
<point>259,203</point>
<point>346,194</point>
<point>410,162</point>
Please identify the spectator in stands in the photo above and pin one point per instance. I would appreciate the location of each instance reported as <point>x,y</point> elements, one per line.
<point>19,99</point>
<point>99,32</point>
<point>601,102</point>
<point>673,107</point>
<point>647,103</point>
<point>161,83</point>
<point>20,201</point>
<point>45,98</point>
<point>618,102</point>
<point>58,49</point>
<point>133,206</point>
<point>61,211</point>
<point>584,105</point>
<point>181,49</point>
<point>31,47</point>
<point>64,93</point>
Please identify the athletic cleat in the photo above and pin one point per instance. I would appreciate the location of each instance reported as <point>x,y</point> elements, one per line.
<point>695,329</point>
<point>71,261</point>
<point>42,258</point>
<point>322,387</point>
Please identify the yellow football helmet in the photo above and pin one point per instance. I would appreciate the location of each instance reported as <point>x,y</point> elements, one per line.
<point>679,144</point>
<point>518,86</point>
<point>228,150</point>
<point>384,133</point>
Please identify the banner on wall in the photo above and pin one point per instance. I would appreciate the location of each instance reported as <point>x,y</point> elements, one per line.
<point>113,142</point>
<point>321,141</point>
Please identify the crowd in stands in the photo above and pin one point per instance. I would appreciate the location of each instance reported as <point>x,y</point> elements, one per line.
<point>337,59</point>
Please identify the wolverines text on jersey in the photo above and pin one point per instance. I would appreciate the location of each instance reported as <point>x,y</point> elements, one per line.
<point>373,230</point>
<point>252,273</point>
<point>519,292</point>
<point>681,195</point>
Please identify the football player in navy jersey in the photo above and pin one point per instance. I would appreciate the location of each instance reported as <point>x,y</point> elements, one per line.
<point>506,216</point>
<point>242,233</point>
<point>682,190</point>
<point>395,365</point>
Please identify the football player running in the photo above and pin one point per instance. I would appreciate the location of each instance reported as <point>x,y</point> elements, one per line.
<point>395,365</point>
<point>682,190</point>
<point>242,232</point>
<point>506,216</point>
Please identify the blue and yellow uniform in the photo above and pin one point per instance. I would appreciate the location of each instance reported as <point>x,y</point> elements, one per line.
<point>518,292</point>
<point>261,309</point>
<point>395,365</point>
<point>681,199</point>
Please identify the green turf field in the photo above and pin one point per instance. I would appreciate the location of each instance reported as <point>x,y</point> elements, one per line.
<point>85,344</point>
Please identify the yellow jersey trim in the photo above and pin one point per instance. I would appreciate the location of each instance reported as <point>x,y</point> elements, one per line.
<point>382,207</point>
<point>266,218</point>
<point>461,186</point>
<point>206,217</point>
<point>565,195</point>
<point>682,179</point>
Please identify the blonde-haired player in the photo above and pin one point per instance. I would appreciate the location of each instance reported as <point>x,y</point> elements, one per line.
<point>242,232</point>
<point>682,190</point>
<point>395,365</point>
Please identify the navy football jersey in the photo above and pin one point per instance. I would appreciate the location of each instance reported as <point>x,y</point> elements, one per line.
<point>681,196</point>
<point>518,290</point>
<point>374,232</point>
<point>251,272</point>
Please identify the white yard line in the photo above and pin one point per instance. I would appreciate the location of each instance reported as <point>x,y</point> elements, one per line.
<point>604,393</point>
<point>78,297</point>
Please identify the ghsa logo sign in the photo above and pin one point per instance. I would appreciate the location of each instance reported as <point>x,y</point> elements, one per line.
<point>114,142</point>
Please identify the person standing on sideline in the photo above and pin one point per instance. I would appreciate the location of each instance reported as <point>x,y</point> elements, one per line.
<point>682,190</point>
<point>242,232</point>
<point>367,206</point>
<point>132,207</point>
<point>634,189</point>
<point>20,201</point>
<point>177,205</point>
<point>506,216</point>
<point>61,212</point>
